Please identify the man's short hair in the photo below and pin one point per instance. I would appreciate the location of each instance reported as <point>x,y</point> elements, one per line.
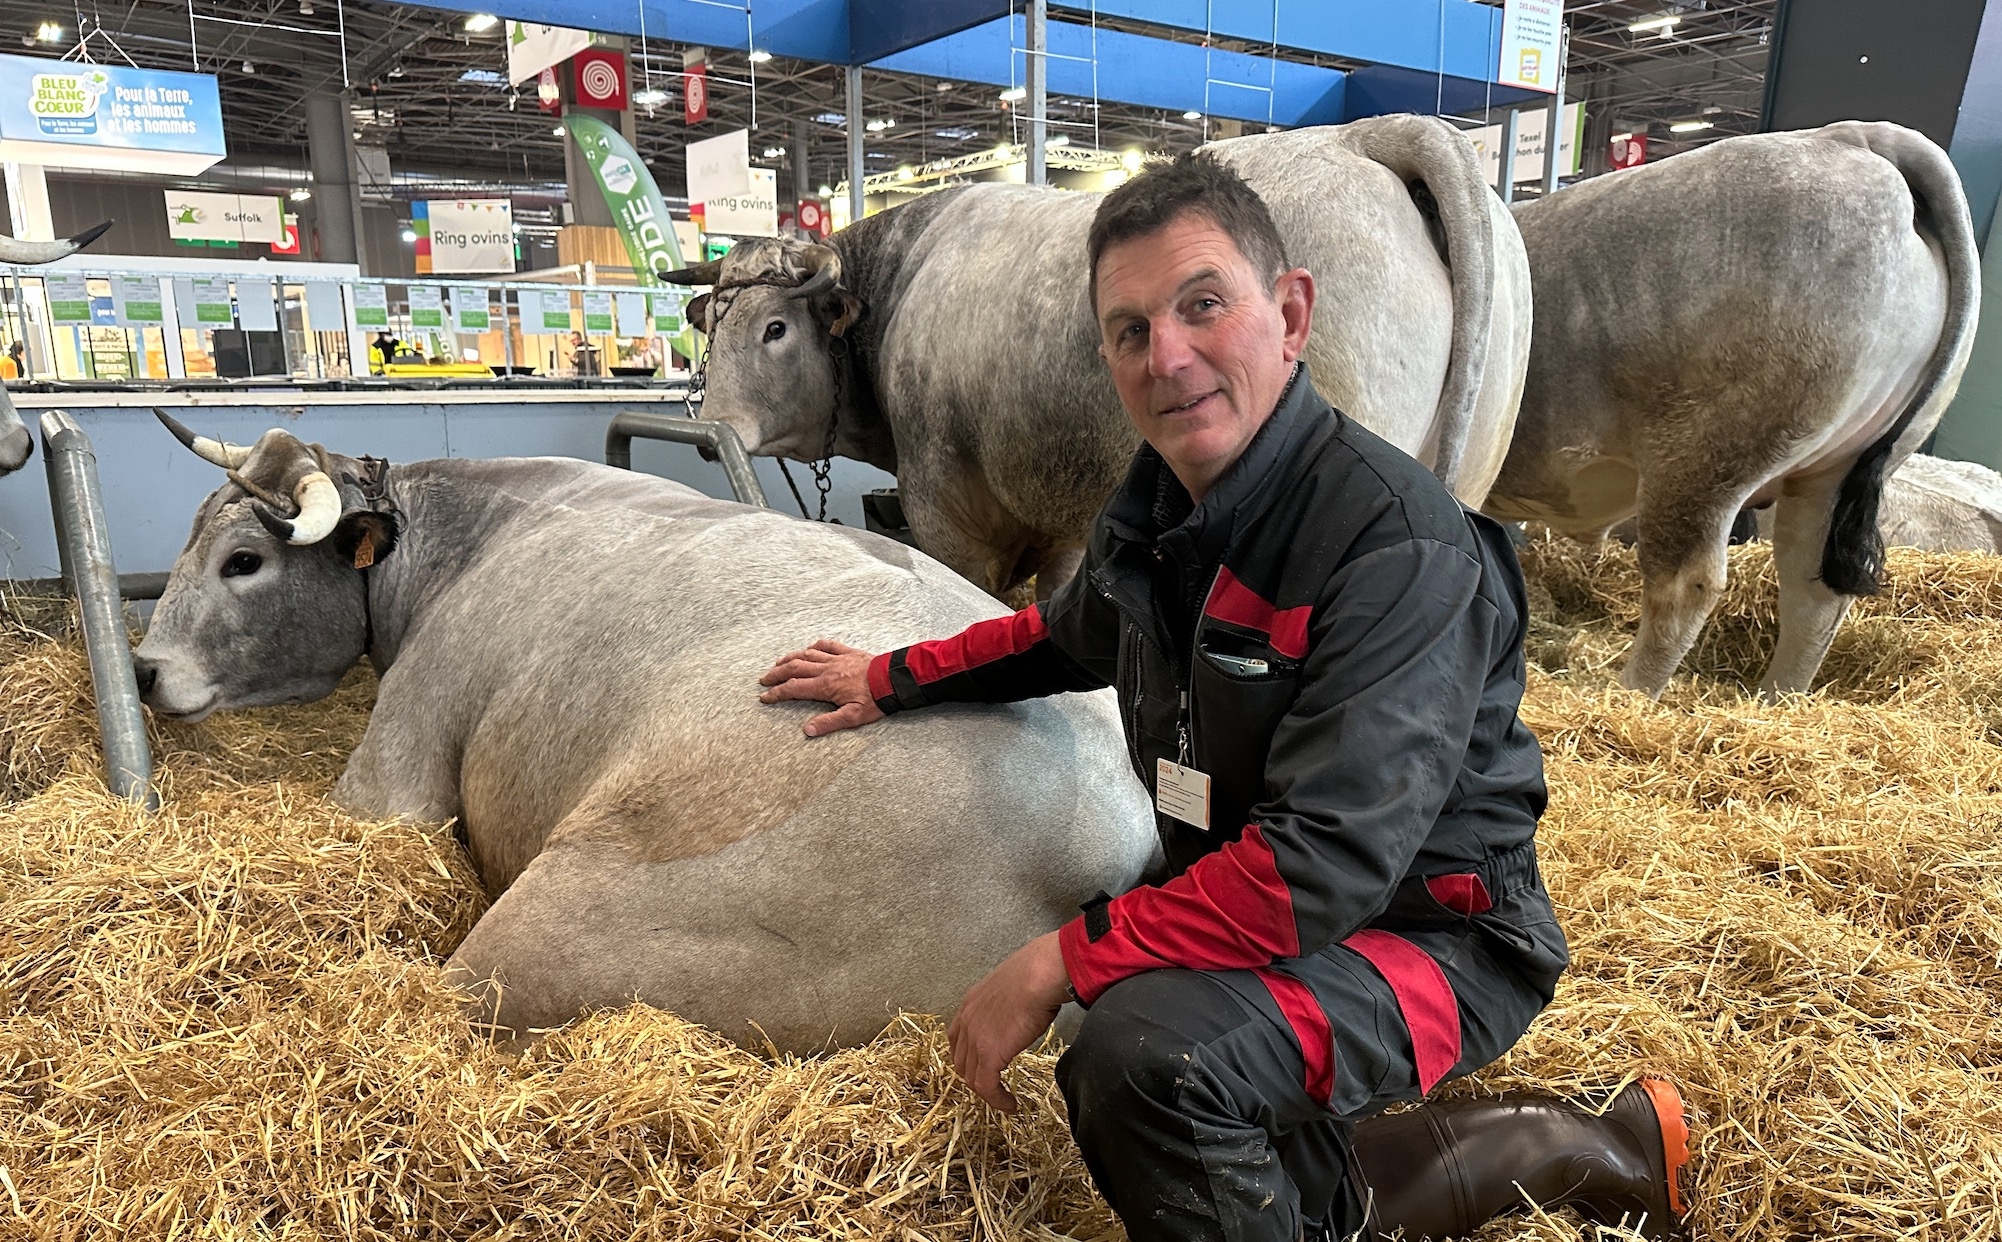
<point>1193,182</point>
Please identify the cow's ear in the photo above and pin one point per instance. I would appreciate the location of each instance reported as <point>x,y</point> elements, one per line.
<point>847,309</point>
<point>696,313</point>
<point>365,537</point>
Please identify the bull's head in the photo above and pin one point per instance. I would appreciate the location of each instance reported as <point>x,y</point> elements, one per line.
<point>776,305</point>
<point>265,604</point>
<point>16,444</point>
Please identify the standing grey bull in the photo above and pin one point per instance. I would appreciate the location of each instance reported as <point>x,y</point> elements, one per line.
<point>569,658</point>
<point>1781,317</point>
<point>16,442</point>
<point>951,340</point>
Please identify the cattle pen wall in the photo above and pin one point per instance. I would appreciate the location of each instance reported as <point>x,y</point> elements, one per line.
<point>152,485</point>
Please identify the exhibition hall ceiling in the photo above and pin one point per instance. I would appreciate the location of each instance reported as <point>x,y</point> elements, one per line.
<point>434,93</point>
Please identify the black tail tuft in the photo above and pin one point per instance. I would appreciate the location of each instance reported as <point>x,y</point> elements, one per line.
<point>1852,558</point>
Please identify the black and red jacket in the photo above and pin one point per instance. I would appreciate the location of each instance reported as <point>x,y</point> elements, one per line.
<point>1376,771</point>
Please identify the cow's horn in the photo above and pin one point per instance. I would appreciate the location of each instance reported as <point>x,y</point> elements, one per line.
<point>13,250</point>
<point>823,272</point>
<point>214,452</point>
<point>701,274</point>
<point>319,504</point>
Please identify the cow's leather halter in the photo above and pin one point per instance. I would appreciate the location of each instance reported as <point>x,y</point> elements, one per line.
<point>372,482</point>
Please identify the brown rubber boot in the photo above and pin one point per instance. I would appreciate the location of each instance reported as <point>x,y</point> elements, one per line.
<point>1442,1170</point>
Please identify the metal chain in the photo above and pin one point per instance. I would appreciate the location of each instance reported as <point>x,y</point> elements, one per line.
<point>823,470</point>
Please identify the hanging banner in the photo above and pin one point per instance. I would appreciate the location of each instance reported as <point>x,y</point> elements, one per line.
<point>1532,42</point>
<point>427,306</point>
<point>69,298</point>
<point>108,116</point>
<point>470,235</point>
<point>196,216</point>
<point>650,237</point>
<point>719,166</point>
<point>695,95</point>
<point>531,48</point>
<point>371,306</point>
<point>289,241</point>
<point>212,309</point>
<point>1628,151</point>
<point>138,302</point>
<point>1529,144</point>
<point>470,308</point>
<point>599,77</point>
<point>754,213</point>
<point>549,92</point>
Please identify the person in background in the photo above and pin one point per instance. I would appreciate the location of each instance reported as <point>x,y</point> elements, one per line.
<point>382,350</point>
<point>644,352</point>
<point>15,365</point>
<point>583,355</point>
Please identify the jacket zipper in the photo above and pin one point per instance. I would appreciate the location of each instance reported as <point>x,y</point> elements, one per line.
<point>1188,728</point>
<point>1135,638</point>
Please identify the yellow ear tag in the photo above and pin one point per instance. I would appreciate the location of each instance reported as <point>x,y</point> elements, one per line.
<point>365,550</point>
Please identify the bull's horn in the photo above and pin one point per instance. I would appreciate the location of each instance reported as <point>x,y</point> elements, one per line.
<point>701,274</point>
<point>823,272</point>
<point>13,250</point>
<point>214,452</point>
<point>319,504</point>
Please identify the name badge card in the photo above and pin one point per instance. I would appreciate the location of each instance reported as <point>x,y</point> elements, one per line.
<point>1183,793</point>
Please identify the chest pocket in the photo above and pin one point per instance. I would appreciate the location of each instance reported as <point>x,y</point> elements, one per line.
<point>1240,689</point>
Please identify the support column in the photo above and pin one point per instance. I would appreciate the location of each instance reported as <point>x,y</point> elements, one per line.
<point>1553,127</point>
<point>336,194</point>
<point>802,169</point>
<point>1511,131</point>
<point>855,163</point>
<point>1039,99</point>
<point>28,203</point>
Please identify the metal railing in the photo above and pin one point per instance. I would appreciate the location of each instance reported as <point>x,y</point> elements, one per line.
<point>83,540</point>
<point>720,439</point>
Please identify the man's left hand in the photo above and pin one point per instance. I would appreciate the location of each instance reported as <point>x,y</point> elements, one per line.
<point>1005,1013</point>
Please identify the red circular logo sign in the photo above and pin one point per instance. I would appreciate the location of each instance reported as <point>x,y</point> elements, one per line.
<point>698,93</point>
<point>809,215</point>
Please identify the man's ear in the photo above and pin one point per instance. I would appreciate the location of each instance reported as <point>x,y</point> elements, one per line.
<point>1294,291</point>
<point>365,537</point>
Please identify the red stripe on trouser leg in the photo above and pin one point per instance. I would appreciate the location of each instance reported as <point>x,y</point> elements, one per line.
<point>1310,1026</point>
<point>983,642</point>
<point>1431,1012</point>
<point>1462,894</point>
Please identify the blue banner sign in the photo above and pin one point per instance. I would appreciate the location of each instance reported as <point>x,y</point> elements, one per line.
<point>108,116</point>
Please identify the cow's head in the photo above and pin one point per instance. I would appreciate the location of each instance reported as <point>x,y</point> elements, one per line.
<point>775,311</point>
<point>16,444</point>
<point>266,603</point>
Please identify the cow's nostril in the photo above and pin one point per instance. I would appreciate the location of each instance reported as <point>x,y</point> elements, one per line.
<point>147,673</point>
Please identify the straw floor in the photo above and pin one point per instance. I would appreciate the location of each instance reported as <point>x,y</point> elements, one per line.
<point>227,1021</point>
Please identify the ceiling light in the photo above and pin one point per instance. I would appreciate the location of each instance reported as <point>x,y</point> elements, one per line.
<point>486,77</point>
<point>1690,127</point>
<point>49,32</point>
<point>905,172</point>
<point>1192,115</point>
<point>651,97</point>
<point>305,8</point>
<point>481,21</point>
<point>1662,23</point>
<point>827,191</point>
<point>395,70</point>
<point>1014,94</point>
<point>880,124</point>
<point>1131,160</point>
<point>409,235</point>
<point>1004,151</point>
<point>559,131</point>
<point>300,195</point>
<point>1061,140</point>
<point>760,56</point>
<point>1622,137</point>
<point>249,68</point>
<point>942,87</point>
<point>772,153</point>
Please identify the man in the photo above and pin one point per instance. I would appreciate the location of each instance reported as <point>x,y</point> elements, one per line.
<point>1318,654</point>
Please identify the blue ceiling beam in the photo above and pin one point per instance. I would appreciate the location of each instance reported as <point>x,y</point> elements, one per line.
<point>879,28</point>
<point>1136,69</point>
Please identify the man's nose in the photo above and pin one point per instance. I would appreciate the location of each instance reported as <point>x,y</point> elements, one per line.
<point>147,674</point>
<point>1167,347</point>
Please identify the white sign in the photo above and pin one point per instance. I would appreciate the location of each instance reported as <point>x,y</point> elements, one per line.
<point>196,216</point>
<point>1532,42</point>
<point>752,214</point>
<point>1529,144</point>
<point>371,303</point>
<point>427,306</point>
<point>719,167</point>
<point>470,308</point>
<point>69,298</point>
<point>138,302</point>
<point>212,308</point>
<point>256,306</point>
<point>633,319</point>
<point>531,48</point>
<point>472,235</point>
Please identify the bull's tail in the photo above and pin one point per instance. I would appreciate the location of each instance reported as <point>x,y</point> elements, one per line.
<point>1444,174</point>
<point>1852,559</point>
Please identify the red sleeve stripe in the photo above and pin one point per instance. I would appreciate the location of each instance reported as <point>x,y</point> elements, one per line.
<point>879,678</point>
<point>980,643</point>
<point>1233,602</point>
<point>1231,911</point>
<point>1431,1012</point>
<point>1310,1026</point>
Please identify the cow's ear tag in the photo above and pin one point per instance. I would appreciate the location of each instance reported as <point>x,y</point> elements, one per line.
<point>365,550</point>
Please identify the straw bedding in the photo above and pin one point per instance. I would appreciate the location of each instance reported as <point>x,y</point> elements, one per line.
<point>228,1020</point>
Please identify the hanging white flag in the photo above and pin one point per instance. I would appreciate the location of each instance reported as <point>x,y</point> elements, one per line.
<point>531,48</point>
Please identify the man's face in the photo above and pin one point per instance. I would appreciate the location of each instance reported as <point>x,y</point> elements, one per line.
<point>1199,343</point>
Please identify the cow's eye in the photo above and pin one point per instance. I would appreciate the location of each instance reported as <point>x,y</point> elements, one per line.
<point>774,330</point>
<point>241,563</point>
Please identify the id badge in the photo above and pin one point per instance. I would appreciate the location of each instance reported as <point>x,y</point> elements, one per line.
<point>1183,793</point>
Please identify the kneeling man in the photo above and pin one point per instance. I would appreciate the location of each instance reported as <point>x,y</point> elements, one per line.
<point>1318,654</point>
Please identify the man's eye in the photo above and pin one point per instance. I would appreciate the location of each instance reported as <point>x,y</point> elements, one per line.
<point>1207,304</point>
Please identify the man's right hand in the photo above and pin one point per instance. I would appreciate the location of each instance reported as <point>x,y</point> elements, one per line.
<point>827,672</point>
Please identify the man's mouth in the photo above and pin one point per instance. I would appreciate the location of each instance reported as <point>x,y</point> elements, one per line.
<point>1188,405</point>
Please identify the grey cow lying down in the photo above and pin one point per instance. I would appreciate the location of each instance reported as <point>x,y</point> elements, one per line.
<point>569,658</point>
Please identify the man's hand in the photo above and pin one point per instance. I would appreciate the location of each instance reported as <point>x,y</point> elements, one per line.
<point>827,672</point>
<point>1005,1013</point>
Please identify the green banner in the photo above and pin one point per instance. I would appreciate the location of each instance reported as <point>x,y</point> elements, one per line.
<point>635,203</point>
